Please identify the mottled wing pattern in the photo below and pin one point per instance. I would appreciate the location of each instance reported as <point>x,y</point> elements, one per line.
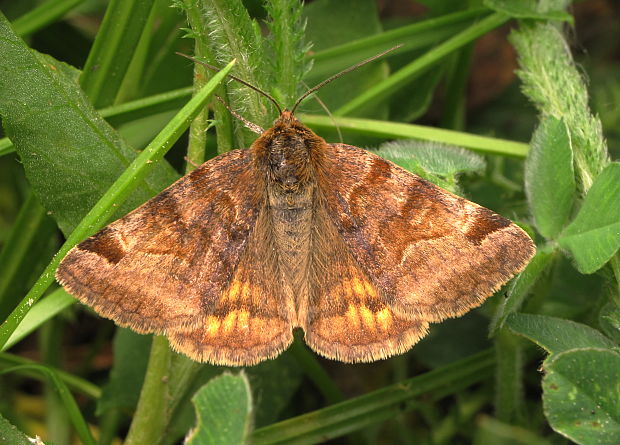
<point>161,265</point>
<point>345,317</point>
<point>253,319</point>
<point>431,254</point>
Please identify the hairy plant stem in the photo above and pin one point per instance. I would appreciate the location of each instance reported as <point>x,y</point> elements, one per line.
<point>553,83</point>
<point>198,128</point>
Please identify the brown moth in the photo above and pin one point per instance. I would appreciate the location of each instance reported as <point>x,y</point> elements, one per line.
<point>295,232</point>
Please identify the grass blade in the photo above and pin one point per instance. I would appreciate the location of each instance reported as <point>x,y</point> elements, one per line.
<point>386,129</point>
<point>341,418</point>
<point>114,47</point>
<point>419,65</point>
<point>43,15</point>
<point>67,399</point>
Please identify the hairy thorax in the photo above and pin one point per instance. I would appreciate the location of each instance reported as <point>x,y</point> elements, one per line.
<point>291,191</point>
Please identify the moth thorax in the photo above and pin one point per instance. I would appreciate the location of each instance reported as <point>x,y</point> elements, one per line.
<point>288,160</point>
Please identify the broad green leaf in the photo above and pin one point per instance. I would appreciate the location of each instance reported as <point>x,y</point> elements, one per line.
<point>131,354</point>
<point>224,412</point>
<point>549,177</point>
<point>520,287</point>
<point>117,193</point>
<point>9,434</point>
<point>437,158</point>
<point>528,9</point>
<point>581,395</point>
<point>556,335</point>
<point>274,382</point>
<point>70,155</point>
<point>184,415</point>
<point>438,163</point>
<point>594,235</point>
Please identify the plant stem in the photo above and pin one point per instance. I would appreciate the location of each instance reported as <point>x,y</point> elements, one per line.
<point>351,415</point>
<point>509,395</point>
<point>198,128</point>
<point>614,262</point>
<point>152,414</point>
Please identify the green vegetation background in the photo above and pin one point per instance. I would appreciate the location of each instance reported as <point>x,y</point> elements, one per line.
<point>92,97</point>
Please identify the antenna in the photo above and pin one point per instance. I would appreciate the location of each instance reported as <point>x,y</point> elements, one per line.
<point>247,84</point>
<point>340,74</point>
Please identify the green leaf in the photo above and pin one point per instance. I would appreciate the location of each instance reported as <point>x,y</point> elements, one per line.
<point>224,412</point>
<point>549,177</point>
<point>131,354</point>
<point>116,194</point>
<point>556,335</point>
<point>9,434</point>
<point>581,395</point>
<point>437,158</point>
<point>594,235</point>
<point>528,9</point>
<point>274,382</point>
<point>70,155</point>
<point>438,163</point>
